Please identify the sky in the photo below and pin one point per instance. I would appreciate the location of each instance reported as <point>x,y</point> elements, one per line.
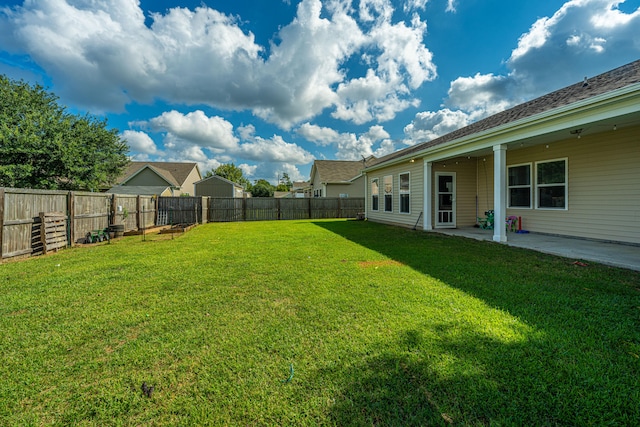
<point>272,85</point>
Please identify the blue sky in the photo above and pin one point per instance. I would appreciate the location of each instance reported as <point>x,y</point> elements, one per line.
<point>272,85</point>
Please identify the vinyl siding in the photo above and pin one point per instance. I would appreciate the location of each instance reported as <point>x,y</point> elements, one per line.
<point>189,184</point>
<point>603,187</point>
<point>353,189</point>
<point>147,178</point>
<point>416,188</point>
<point>214,188</point>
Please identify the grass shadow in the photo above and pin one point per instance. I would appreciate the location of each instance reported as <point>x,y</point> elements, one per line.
<point>576,363</point>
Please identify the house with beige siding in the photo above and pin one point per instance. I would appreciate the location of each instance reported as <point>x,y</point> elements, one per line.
<point>567,163</point>
<point>158,178</point>
<point>339,178</point>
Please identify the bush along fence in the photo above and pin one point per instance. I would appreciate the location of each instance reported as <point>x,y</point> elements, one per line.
<point>24,211</point>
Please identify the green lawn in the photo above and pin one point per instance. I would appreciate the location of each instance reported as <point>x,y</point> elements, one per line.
<point>334,322</point>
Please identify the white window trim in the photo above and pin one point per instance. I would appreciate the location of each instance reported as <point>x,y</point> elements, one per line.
<point>384,192</point>
<point>566,184</point>
<point>377,194</point>
<point>530,186</point>
<point>401,192</point>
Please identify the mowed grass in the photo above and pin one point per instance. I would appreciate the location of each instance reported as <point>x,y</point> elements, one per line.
<point>330,322</point>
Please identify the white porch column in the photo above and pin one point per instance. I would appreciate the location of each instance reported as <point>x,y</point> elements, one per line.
<point>499,192</point>
<point>427,223</point>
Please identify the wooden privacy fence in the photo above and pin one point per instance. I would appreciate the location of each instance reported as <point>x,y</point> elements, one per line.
<point>22,212</point>
<point>69,215</point>
<point>266,209</point>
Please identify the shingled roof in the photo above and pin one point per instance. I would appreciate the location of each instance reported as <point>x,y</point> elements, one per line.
<point>341,171</point>
<point>601,84</point>
<point>175,173</point>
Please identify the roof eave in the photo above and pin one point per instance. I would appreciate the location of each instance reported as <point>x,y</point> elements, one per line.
<point>565,116</point>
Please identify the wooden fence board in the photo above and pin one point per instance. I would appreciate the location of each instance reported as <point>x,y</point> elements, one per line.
<point>91,211</point>
<point>181,210</point>
<point>261,209</point>
<point>225,209</point>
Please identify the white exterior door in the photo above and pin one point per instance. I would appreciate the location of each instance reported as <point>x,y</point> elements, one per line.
<point>445,199</point>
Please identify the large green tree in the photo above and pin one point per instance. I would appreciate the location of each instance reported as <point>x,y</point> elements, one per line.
<point>262,188</point>
<point>284,183</point>
<point>44,146</point>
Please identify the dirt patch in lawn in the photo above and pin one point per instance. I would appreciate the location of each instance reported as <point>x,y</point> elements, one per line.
<point>376,264</point>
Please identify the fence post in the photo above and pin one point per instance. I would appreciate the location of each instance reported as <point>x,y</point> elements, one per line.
<point>278,209</point>
<point>71,218</point>
<point>309,207</point>
<point>1,220</point>
<point>204,209</point>
<point>114,209</point>
<point>156,214</point>
<point>244,208</point>
<point>138,208</point>
<point>339,208</point>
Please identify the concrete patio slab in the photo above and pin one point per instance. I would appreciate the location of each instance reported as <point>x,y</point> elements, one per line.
<point>608,253</point>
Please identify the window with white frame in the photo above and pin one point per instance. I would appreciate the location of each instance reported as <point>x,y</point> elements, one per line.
<point>519,183</point>
<point>404,193</point>
<point>374,194</point>
<point>551,184</point>
<point>387,183</point>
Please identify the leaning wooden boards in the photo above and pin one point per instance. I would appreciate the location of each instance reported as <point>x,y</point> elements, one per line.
<point>53,231</point>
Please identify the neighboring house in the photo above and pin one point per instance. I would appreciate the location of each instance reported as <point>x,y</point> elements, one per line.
<point>339,178</point>
<point>301,189</point>
<point>217,186</point>
<point>567,163</point>
<point>158,178</point>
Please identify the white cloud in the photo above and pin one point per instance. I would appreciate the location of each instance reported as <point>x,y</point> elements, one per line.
<point>211,141</point>
<point>411,5</point>
<point>275,149</point>
<point>248,170</point>
<point>403,64</point>
<point>612,17</point>
<point>140,142</point>
<point>246,132</point>
<point>578,40</point>
<point>204,57</point>
<point>430,125</point>
<point>348,145</point>
<point>212,132</point>
<point>482,95</point>
<point>322,136</point>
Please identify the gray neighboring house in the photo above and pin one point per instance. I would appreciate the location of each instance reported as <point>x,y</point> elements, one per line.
<point>217,186</point>
<point>339,178</point>
<point>158,178</point>
<point>566,163</point>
